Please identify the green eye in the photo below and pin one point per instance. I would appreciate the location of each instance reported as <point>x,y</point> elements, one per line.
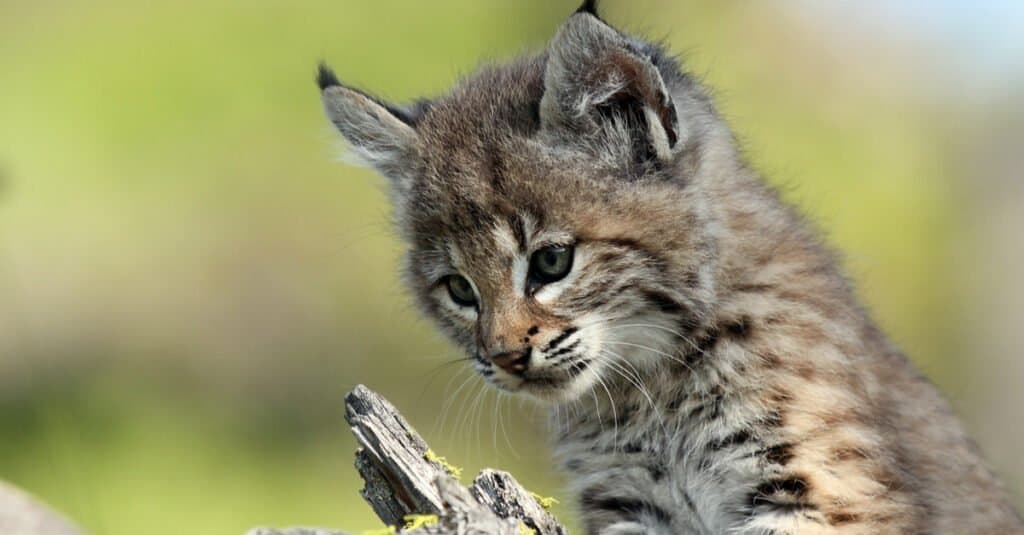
<point>461,291</point>
<point>551,264</point>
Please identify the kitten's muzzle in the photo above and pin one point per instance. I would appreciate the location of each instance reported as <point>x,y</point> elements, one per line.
<point>513,362</point>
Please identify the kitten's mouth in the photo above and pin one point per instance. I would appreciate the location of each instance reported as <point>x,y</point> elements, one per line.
<point>549,383</point>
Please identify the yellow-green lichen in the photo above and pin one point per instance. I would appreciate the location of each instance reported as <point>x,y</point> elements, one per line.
<point>418,521</point>
<point>545,501</point>
<point>452,470</point>
<point>526,530</point>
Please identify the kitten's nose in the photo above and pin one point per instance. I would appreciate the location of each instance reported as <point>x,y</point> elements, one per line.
<point>514,362</point>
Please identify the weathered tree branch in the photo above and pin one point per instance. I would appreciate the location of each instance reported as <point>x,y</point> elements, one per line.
<point>402,477</point>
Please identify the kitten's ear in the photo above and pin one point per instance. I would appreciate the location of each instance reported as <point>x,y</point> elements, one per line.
<point>380,134</point>
<point>599,83</point>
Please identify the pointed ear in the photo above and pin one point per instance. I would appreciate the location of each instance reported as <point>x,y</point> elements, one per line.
<point>602,88</point>
<point>381,135</point>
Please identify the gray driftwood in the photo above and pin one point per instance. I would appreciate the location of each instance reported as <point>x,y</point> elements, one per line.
<point>400,480</point>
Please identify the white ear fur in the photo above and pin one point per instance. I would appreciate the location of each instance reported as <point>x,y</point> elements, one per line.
<point>376,135</point>
<point>591,65</point>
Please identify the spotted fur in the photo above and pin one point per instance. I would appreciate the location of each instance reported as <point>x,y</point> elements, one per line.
<point>708,366</point>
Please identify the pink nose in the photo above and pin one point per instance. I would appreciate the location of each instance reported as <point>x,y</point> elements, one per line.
<point>513,362</point>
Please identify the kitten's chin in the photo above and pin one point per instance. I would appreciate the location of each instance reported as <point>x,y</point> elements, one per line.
<point>553,390</point>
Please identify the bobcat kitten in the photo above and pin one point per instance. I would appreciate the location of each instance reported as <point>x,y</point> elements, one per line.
<point>584,225</point>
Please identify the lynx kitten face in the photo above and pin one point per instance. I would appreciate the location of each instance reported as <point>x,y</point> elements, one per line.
<point>550,288</point>
<point>547,210</point>
<point>582,224</point>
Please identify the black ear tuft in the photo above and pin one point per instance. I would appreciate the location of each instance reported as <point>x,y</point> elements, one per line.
<point>325,77</point>
<point>589,6</point>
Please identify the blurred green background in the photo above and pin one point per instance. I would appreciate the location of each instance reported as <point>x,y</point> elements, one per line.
<point>190,281</point>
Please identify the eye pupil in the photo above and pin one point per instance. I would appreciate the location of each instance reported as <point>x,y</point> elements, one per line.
<point>461,291</point>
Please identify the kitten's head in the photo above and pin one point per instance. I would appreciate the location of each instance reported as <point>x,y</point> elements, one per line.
<point>556,225</point>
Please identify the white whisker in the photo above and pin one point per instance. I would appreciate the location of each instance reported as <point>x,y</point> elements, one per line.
<point>673,358</point>
<point>618,364</point>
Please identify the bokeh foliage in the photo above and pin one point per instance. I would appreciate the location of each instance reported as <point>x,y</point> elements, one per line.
<point>190,281</point>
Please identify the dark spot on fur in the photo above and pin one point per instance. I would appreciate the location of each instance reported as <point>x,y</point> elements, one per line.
<point>710,409</point>
<point>533,330</point>
<point>779,454</point>
<point>625,414</point>
<point>578,367</point>
<point>632,447</point>
<point>677,401</point>
<point>567,349</point>
<point>597,297</point>
<point>519,231</point>
<point>467,213</point>
<point>740,328</point>
<point>704,464</point>
<point>592,500</point>
<point>708,341</point>
<point>494,168</point>
<point>779,397</point>
<point>656,471</point>
<point>689,501</point>
<point>651,258</point>
<point>606,258</point>
<point>688,324</point>
<point>731,441</point>
<point>790,486</point>
<point>662,301</point>
<point>561,338</point>
<point>848,453</point>
<point>754,288</point>
<point>772,420</point>
<point>783,495</point>
<point>697,411</point>
<point>837,518</point>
